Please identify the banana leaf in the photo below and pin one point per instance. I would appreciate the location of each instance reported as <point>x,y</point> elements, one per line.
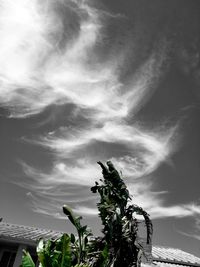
<point>27,260</point>
<point>66,251</point>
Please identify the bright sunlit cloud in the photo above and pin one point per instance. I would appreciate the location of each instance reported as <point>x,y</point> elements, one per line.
<point>50,56</point>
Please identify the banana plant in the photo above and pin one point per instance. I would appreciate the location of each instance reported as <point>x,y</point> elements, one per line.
<point>83,234</point>
<point>55,253</point>
<point>119,224</point>
<point>51,253</point>
<point>67,251</point>
<point>117,248</point>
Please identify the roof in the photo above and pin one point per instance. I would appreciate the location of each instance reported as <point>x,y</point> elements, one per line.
<point>25,234</point>
<point>170,256</point>
<point>162,256</point>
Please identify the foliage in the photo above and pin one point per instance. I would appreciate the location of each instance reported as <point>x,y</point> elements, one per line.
<point>119,245</point>
<point>120,225</point>
<point>55,253</point>
<point>27,260</point>
<point>80,244</point>
<point>51,253</point>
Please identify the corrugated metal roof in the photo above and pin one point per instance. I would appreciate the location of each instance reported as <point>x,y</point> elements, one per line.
<point>174,255</point>
<point>162,256</point>
<point>25,233</point>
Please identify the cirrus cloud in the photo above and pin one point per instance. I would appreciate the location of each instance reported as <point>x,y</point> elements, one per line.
<point>50,54</point>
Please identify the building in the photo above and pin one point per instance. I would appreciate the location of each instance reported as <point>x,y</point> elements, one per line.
<point>14,238</point>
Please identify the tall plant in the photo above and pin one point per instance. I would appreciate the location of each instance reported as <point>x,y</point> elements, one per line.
<point>117,215</point>
<point>119,245</point>
<point>80,244</point>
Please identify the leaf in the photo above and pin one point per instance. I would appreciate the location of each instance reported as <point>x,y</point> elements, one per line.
<point>66,251</point>
<point>44,252</point>
<point>74,220</point>
<point>103,257</point>
<point>94,189</point>
<point>86,240</point>
<point>40,245</point>
<point>67,211</point>
<point>83,229</point>
<point>27,260</point>
<point>73,239</point>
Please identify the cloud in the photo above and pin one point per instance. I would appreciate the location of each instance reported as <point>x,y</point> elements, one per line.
<point>195,236</point>
<point>75,168</point>
<point>154,202</point>
<point>179,211</point>
<point>48,61</point>
<point>51,191</point>
<point>35,71</point>
<point>50,56</point>
<point>194,230</point>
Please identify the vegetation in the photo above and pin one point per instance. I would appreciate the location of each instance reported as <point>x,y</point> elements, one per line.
<point>119,245</point>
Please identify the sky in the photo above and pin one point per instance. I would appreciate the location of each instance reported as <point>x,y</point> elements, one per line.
<point>83,81</point>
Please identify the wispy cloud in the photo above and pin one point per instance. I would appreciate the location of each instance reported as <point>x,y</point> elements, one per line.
<point>179,211</point>
<point>154,202</point>
<point>50,55</point>
<point>193,231</point>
